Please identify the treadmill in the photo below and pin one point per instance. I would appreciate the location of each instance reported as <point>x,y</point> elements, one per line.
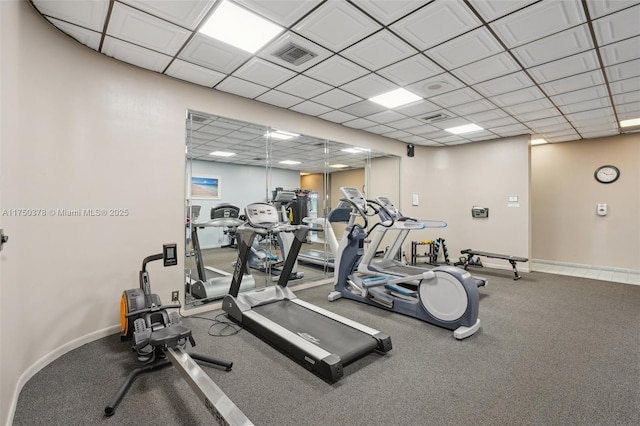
<point>213,283</point>
<point>340,214</point>
<point>320,340</point>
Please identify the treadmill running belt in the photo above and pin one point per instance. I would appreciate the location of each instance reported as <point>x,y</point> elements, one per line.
<point>332,336</point>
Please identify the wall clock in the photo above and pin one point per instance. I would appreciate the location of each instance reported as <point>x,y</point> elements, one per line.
<point>607,174</point>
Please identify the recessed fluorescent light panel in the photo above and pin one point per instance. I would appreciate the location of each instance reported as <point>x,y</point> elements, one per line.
<point>467,128</point>
<point>222,153</point>
<point>290,162</point>
<point>338,166</point>
<point>240,28</point>
<point>395,98</point>
<point>538,141</point>
<point>281,134</point>
<point>630,123</point>
<point>355,150</point>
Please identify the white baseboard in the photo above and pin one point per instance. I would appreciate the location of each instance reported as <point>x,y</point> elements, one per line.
<point>52,356</point>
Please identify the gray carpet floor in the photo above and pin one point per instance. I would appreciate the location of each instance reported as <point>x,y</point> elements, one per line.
<point>552,350</point>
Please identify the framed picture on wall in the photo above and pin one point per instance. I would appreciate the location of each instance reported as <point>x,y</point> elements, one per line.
<point>205,187</point>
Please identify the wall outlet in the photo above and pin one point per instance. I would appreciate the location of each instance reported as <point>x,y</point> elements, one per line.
<point>175,296</point>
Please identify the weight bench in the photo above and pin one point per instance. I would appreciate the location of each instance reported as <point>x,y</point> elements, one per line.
<point>468,261</point>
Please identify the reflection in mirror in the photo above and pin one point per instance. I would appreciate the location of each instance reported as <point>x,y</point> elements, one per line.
<point>230,164</point>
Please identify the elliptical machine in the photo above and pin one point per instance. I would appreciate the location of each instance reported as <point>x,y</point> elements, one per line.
<point>159,340</point>
<point>444,296</point>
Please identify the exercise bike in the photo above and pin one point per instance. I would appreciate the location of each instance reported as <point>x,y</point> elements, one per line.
<point>159,339</point>
<point>444,296</point>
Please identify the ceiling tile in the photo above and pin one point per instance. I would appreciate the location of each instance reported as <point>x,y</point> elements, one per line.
<point>518,96</point>
<point>272,51</point>
<point>387,11</point>
<point>436,23</point>
<point>359,123</point>
<point>310,108</point>
<point>551,124</point>
<point>575,82</point>
<point>473,108</point>
<point>336,98</point>
<point>585,105</point>
<point>507,83</point>
<point>537,21</point>
<point>623,86</point>
<point>241,87</point>
<point>380,129</point>
<point>87,37</point>
<point>453,122</point>
<point>537,105</point>
<point>194,73</point>
<point>456,97</point>
<point>434,86</point>
<point>627,98</point>
<point>210,53</point>
<point>379,50</point>
<point>581,95</point>
<point>622,51</point>
<point>617,26</point>
<point>418,108</point>
<point>594,116</point>
<point>405,123</point>
<point>129,24</point>
<point>283,100</point>
<point>624,70</point>
<point>495,123</point>
<point>363,108</point>
<point>526,117</point>
<point>599,134</point>
<point>187,14</point>
<point>410,70</point>
<point>511,130</point>
<point>264,73</point>
<point>572,65</point>
<point>283,12</point>
<point>89,15</point>
<point>336,71</point>
<point>396,134</point>
<point>304,86</point>
<point>422,129</point>
<point>385,117</point>
<point>135,55</point>
<point>487,69</point>
<point>493,9</point>
<point>554,47</point>
<point>563,139</point>
<point>598,8</point>
<point>369,86</point>
<point>336,25</point>
<point>475,45</point>
<point>484,116</point>
<point>337,116</point>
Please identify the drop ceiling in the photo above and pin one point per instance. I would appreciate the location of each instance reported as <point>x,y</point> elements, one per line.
<point>561,70</point>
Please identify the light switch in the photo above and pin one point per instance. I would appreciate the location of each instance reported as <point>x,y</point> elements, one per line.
<point>601,210</point>
<point>415,199</point>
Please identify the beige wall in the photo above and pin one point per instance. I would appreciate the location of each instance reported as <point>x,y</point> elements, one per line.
<point>449,181</point>
<point>565,195</point>
<point>81,130</point>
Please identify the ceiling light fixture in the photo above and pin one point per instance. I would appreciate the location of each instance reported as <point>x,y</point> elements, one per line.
<point>538,141</point>
<point>289,162</point>
<point>240,28</point>
<point>222,153</point>
<point>355,150</point>
<point>630,123</point>
<point>395,98</point>
<point>282,135</point>
<point>338,166</point>
<point>467,128</point>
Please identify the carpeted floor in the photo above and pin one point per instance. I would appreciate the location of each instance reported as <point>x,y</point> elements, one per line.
<point>552,350</point>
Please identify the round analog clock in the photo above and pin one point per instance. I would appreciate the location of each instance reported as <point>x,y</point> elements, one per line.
<point>607,174</point>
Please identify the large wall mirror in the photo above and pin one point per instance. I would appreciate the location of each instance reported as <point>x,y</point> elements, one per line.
<point>230,164</point>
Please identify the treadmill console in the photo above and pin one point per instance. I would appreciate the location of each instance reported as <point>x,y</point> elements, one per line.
<point>387,204</point>
<point>262,215</point>
<point>354,195</point>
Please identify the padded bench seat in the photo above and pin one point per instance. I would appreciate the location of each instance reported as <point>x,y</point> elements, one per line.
<point>468,261</point>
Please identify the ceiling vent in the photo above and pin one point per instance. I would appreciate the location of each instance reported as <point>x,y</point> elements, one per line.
<point>198,118</point>
<point>435,117</point>
<point>294,54</point>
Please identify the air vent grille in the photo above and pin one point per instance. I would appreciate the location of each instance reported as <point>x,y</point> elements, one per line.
<point>435,117</point>
<point>198,118</point>
<point>294,54</point>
